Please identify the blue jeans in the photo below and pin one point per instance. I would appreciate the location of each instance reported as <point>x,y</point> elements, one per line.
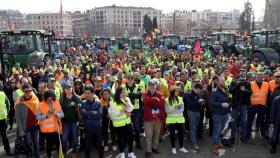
<point>242,111</point>
<point>32,139</point>
<point>194,118</point>
<point>219,124</point>
<point>70,128</point>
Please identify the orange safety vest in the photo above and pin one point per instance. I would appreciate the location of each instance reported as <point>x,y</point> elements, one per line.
<point>272,85</point>
<point>259,96</point>
<point>52,123</point>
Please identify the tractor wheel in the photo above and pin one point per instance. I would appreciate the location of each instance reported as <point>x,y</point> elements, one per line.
<point>259,55</point>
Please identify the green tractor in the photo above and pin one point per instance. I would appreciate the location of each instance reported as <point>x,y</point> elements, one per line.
<point>24,47</point>
<point>224,42</point>
<point>137,43</point>
<point>102,43</point>
<point>266,46</point>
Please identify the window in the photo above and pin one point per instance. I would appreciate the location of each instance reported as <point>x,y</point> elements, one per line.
<point>39,17</point>
<point>61,27</point>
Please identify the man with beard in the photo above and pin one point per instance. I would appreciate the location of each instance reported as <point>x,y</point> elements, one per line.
<point>220,105</point>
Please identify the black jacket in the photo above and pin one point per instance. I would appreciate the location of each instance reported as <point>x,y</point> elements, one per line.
<point>239,97</point>
<point>275,112</point>
<point>191,101</point>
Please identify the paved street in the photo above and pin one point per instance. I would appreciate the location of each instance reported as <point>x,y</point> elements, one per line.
<point>259,150</point>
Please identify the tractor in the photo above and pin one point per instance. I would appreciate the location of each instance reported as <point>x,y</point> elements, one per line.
<point>266,46</point>
<point>136,43</point>
<point>223,42</point>
<point>102,43</point>
<point>172,42</point>
<point>24,47</point>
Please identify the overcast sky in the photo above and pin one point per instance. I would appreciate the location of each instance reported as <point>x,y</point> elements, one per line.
<point>31,6</point>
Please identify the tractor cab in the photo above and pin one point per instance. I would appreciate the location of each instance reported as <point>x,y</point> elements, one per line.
<point>171,41</point>
<point>266,46</point>
<point>225,41</point>
<point>24,46</point>
<point>189,41</point>
<point>121,42</point>
<point>136,43</point>
<point>102,42</point>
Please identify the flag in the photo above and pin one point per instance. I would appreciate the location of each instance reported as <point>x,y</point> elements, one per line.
<point>153,35</point>
<point>115,48</point>
<point>148,38</point>
<point>197,47</point>
<point>145,54</point>
<point>129,49</point>
<point>207,54</point>
<point>60,153</point>
<point>126,35</point>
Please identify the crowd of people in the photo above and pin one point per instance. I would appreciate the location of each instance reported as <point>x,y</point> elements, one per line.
<point>91,98</point>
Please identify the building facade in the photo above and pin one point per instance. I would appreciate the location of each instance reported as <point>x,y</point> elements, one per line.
<point>60,23</point>
<point>115,20</point>
<point>81,22</point>
<point>178,22</point>
<point>11,19</point>
<point>271,17</point>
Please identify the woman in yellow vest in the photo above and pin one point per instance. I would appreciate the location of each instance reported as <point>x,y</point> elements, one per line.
<point>49,114</point>
<point>120,112</point>
<point>174,108</point>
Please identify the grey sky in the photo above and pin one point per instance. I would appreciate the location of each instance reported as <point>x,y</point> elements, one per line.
<point>30,6</point>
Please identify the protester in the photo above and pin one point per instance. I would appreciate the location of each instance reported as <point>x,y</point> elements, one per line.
<point>49,115</point>
<point>9,88</point>
<point>4,108</point>
<point>240,89</point>
<point>174,108</point>
<point>194,106</point>
<point>120,112</point>
<point>275,123</point>
<point>134,93</point>
<point>220,106</point>
<point>107,124</point>
<point>91,112</point>
<point>153,115</point>
<point>258,105</point>
<point>70,104</point>
<point>27,123</point>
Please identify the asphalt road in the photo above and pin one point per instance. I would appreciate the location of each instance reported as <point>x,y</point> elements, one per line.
<point>258,150</point>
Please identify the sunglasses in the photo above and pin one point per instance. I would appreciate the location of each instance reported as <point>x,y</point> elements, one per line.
<point>277,76</point>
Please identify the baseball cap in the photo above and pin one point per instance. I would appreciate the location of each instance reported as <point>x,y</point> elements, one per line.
<point>51,79</point>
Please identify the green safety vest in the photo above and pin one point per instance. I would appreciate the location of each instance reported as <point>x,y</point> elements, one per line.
<point>136,101</point>
<point>200,72</point>
<point>3,108</point>
<point>122,120</point>
<point>19,92</point>
<point>188,86</point>
<point>142,86</point>
<point>176,117</point>
<point>228,81</point>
